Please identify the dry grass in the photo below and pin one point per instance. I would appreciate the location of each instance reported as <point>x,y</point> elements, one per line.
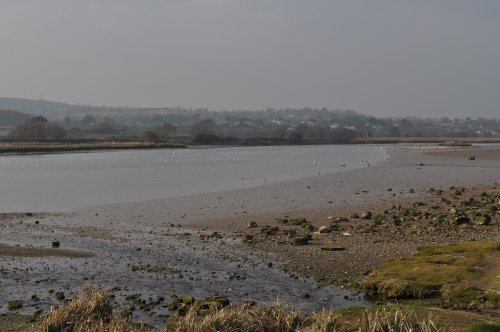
<point>396,321</point>
<point>243,319</point>
<point>92,312</point>
<point>279,319</point>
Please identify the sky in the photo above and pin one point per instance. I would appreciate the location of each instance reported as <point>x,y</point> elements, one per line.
<point>426,58</point>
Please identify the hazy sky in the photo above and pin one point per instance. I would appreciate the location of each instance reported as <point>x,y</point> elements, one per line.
<point>382,57</point>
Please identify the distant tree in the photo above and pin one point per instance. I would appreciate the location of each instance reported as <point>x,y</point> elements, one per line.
<point>280,132</point>
<point>108,122</point>
<point>202,138</point>
<point>37,129</point>
<point>294,137</point>
<point>316,132</point>
<point>301,128</point>
<point>394,132</point>
<point>67,120</point>
<point>167,129</point>
<point>342,135</point>
<point>206,126</point>
<point>152,136</point>
<point>55,132</point>
<point>88,120</point>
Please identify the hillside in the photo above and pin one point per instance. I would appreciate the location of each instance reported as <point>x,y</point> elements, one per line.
<point>42,107</point>
<point>12,118</point>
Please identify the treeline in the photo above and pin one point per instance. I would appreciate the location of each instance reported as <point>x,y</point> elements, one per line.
<point>37,128</point>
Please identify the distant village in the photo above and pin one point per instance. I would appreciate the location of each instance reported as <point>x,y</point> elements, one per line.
<point>20,118</point>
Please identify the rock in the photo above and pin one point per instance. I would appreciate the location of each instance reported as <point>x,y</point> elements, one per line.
<point>252,224</point>
<point>247,238</point>
<point>484,219</point>
<point>324,229</point>
<point>60,296</point>
<point>308,227</point>
<point>367,215</point>
<point>269,230</point>
<point>56,244</point>
<point>333,249</point>
<point>299,221</point>
<point>461,219</point>
<point>301,240</point>
<point>14,305</point>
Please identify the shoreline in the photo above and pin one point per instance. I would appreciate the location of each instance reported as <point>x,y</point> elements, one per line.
<point>42,148</point>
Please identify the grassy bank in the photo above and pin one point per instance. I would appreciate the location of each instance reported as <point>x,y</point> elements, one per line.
<point>69,146</point>
<point>20,147</point>
<point>462,275</point>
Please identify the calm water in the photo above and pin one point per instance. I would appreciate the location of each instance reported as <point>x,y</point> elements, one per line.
<point>59,182</point>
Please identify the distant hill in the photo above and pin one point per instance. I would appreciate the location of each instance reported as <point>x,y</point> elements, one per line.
<point>12,118</point>
<point>43,107</point>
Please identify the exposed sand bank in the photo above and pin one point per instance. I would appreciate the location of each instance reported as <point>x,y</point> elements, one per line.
<point>404,171</point>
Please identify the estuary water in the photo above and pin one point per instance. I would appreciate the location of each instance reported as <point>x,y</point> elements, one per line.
<point>59,182</point>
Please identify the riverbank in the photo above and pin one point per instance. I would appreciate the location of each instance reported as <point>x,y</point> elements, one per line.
<point>12,147</point>
<point>45,148</point>
<point>193,245</point>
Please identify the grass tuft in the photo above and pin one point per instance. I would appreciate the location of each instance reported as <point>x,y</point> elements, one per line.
<point>396,321</point>
<point>92,312</point>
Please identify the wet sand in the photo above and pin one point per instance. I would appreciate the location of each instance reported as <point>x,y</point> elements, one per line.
<point>161,247</point>
<point>229,210</point>
<point>18,251</point>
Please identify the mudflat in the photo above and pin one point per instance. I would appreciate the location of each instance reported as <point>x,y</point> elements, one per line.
<point>18,251</point>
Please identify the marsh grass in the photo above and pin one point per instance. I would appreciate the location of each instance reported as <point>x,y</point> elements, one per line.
<point>279,318</point>
<point>244,318</point>
<point>458,273</point>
